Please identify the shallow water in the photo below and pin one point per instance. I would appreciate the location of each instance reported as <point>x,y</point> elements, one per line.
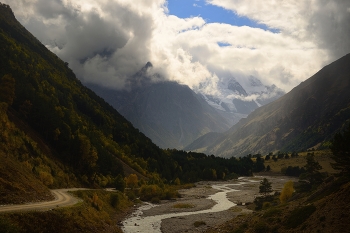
<point>152,224</point>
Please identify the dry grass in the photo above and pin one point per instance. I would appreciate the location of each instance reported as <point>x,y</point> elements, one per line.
<point>323,157</point>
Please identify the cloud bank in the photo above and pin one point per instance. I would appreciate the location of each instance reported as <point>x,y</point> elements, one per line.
<point>105,42</point>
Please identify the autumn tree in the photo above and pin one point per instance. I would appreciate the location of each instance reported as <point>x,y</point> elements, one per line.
<point>132,181</point>
<point>287,191</point>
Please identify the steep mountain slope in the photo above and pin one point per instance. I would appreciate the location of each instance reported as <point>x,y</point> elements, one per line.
<point>83,134</point>
<point>307,116</point>
<point>172,115</point>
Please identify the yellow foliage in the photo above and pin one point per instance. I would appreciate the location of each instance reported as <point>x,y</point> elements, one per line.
<point>132,181</point>
<point>287,191</point>
<point>46,178</point>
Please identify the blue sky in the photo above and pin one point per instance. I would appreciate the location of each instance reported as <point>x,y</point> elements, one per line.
<point>210,13</point>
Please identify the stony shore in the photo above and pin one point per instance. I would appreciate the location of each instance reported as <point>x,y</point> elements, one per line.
<point>197,198</point>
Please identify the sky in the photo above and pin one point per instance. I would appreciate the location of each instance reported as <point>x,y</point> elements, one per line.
<point>194,42</point>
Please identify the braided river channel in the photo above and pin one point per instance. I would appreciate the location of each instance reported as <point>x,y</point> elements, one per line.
<point>223,196</point>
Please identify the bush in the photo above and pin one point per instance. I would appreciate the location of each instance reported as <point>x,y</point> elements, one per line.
<point>148,192</point>
<point>266,205</point>
<point>259,201</point>
<point>114,200</point>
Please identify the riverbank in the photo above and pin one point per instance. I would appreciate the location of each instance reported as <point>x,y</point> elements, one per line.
<point>197,200</point>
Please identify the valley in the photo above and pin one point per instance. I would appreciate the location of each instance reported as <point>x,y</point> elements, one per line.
<point>143,152</point>
<point>209,204</point>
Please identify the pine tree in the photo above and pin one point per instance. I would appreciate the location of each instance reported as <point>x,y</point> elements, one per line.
<point>265,187</point>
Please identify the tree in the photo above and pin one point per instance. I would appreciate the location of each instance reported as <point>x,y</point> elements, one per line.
<point>287,191</point>
<point>265,187</point>
<point>119,183</point>
<point>312,175</point>
<point>341,151</point>
<point>259,164</point>
<point>274,158</point>
<point>268,168</point>
<point>132,181</point>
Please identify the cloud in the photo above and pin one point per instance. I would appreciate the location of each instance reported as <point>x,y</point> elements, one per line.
<point>324,22</point>
<point>105,41</point>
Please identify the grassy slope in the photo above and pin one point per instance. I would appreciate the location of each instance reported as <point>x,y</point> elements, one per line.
<point>322,156</point>
<point>18,184</point>
<point>325,210</point>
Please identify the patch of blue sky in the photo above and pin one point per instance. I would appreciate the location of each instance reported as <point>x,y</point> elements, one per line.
<point>223,44</point>
<point>211,13</point>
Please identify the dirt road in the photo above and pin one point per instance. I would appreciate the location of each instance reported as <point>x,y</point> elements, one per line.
<point>62,198</point>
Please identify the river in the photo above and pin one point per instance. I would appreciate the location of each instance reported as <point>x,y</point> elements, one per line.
<point>152,224</point>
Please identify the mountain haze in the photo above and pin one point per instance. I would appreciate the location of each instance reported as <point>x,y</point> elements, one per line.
<point>308,116</point>
<point>172,115</point>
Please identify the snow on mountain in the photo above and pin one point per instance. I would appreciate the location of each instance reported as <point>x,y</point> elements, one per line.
<point>239,97</point>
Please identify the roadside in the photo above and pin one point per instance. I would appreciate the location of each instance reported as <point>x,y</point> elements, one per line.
<point>62,198</point>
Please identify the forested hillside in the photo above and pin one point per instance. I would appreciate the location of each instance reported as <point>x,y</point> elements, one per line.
<point>66,135</point>
<point>81,130</point>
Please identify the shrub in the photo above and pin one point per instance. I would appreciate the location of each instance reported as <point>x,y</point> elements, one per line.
<point>114,200</point>
<point>95,202</point>
<point>259,201</point>
<point>266,205</point>
<point>148,192</point>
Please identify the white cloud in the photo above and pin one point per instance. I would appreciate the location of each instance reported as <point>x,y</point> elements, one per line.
<point>323,22</point>
<point>107,41</point>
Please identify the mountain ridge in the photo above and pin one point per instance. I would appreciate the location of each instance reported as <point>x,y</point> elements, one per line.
<point>309,115</point>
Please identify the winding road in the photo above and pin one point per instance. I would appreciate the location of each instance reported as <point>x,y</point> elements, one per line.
<point>62,198</point>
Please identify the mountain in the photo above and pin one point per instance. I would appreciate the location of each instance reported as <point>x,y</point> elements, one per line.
<point>172,115</point>
<point>308,116</point>
<point>239,98</point>
<point>57,133</point>
<point>56,128</point>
